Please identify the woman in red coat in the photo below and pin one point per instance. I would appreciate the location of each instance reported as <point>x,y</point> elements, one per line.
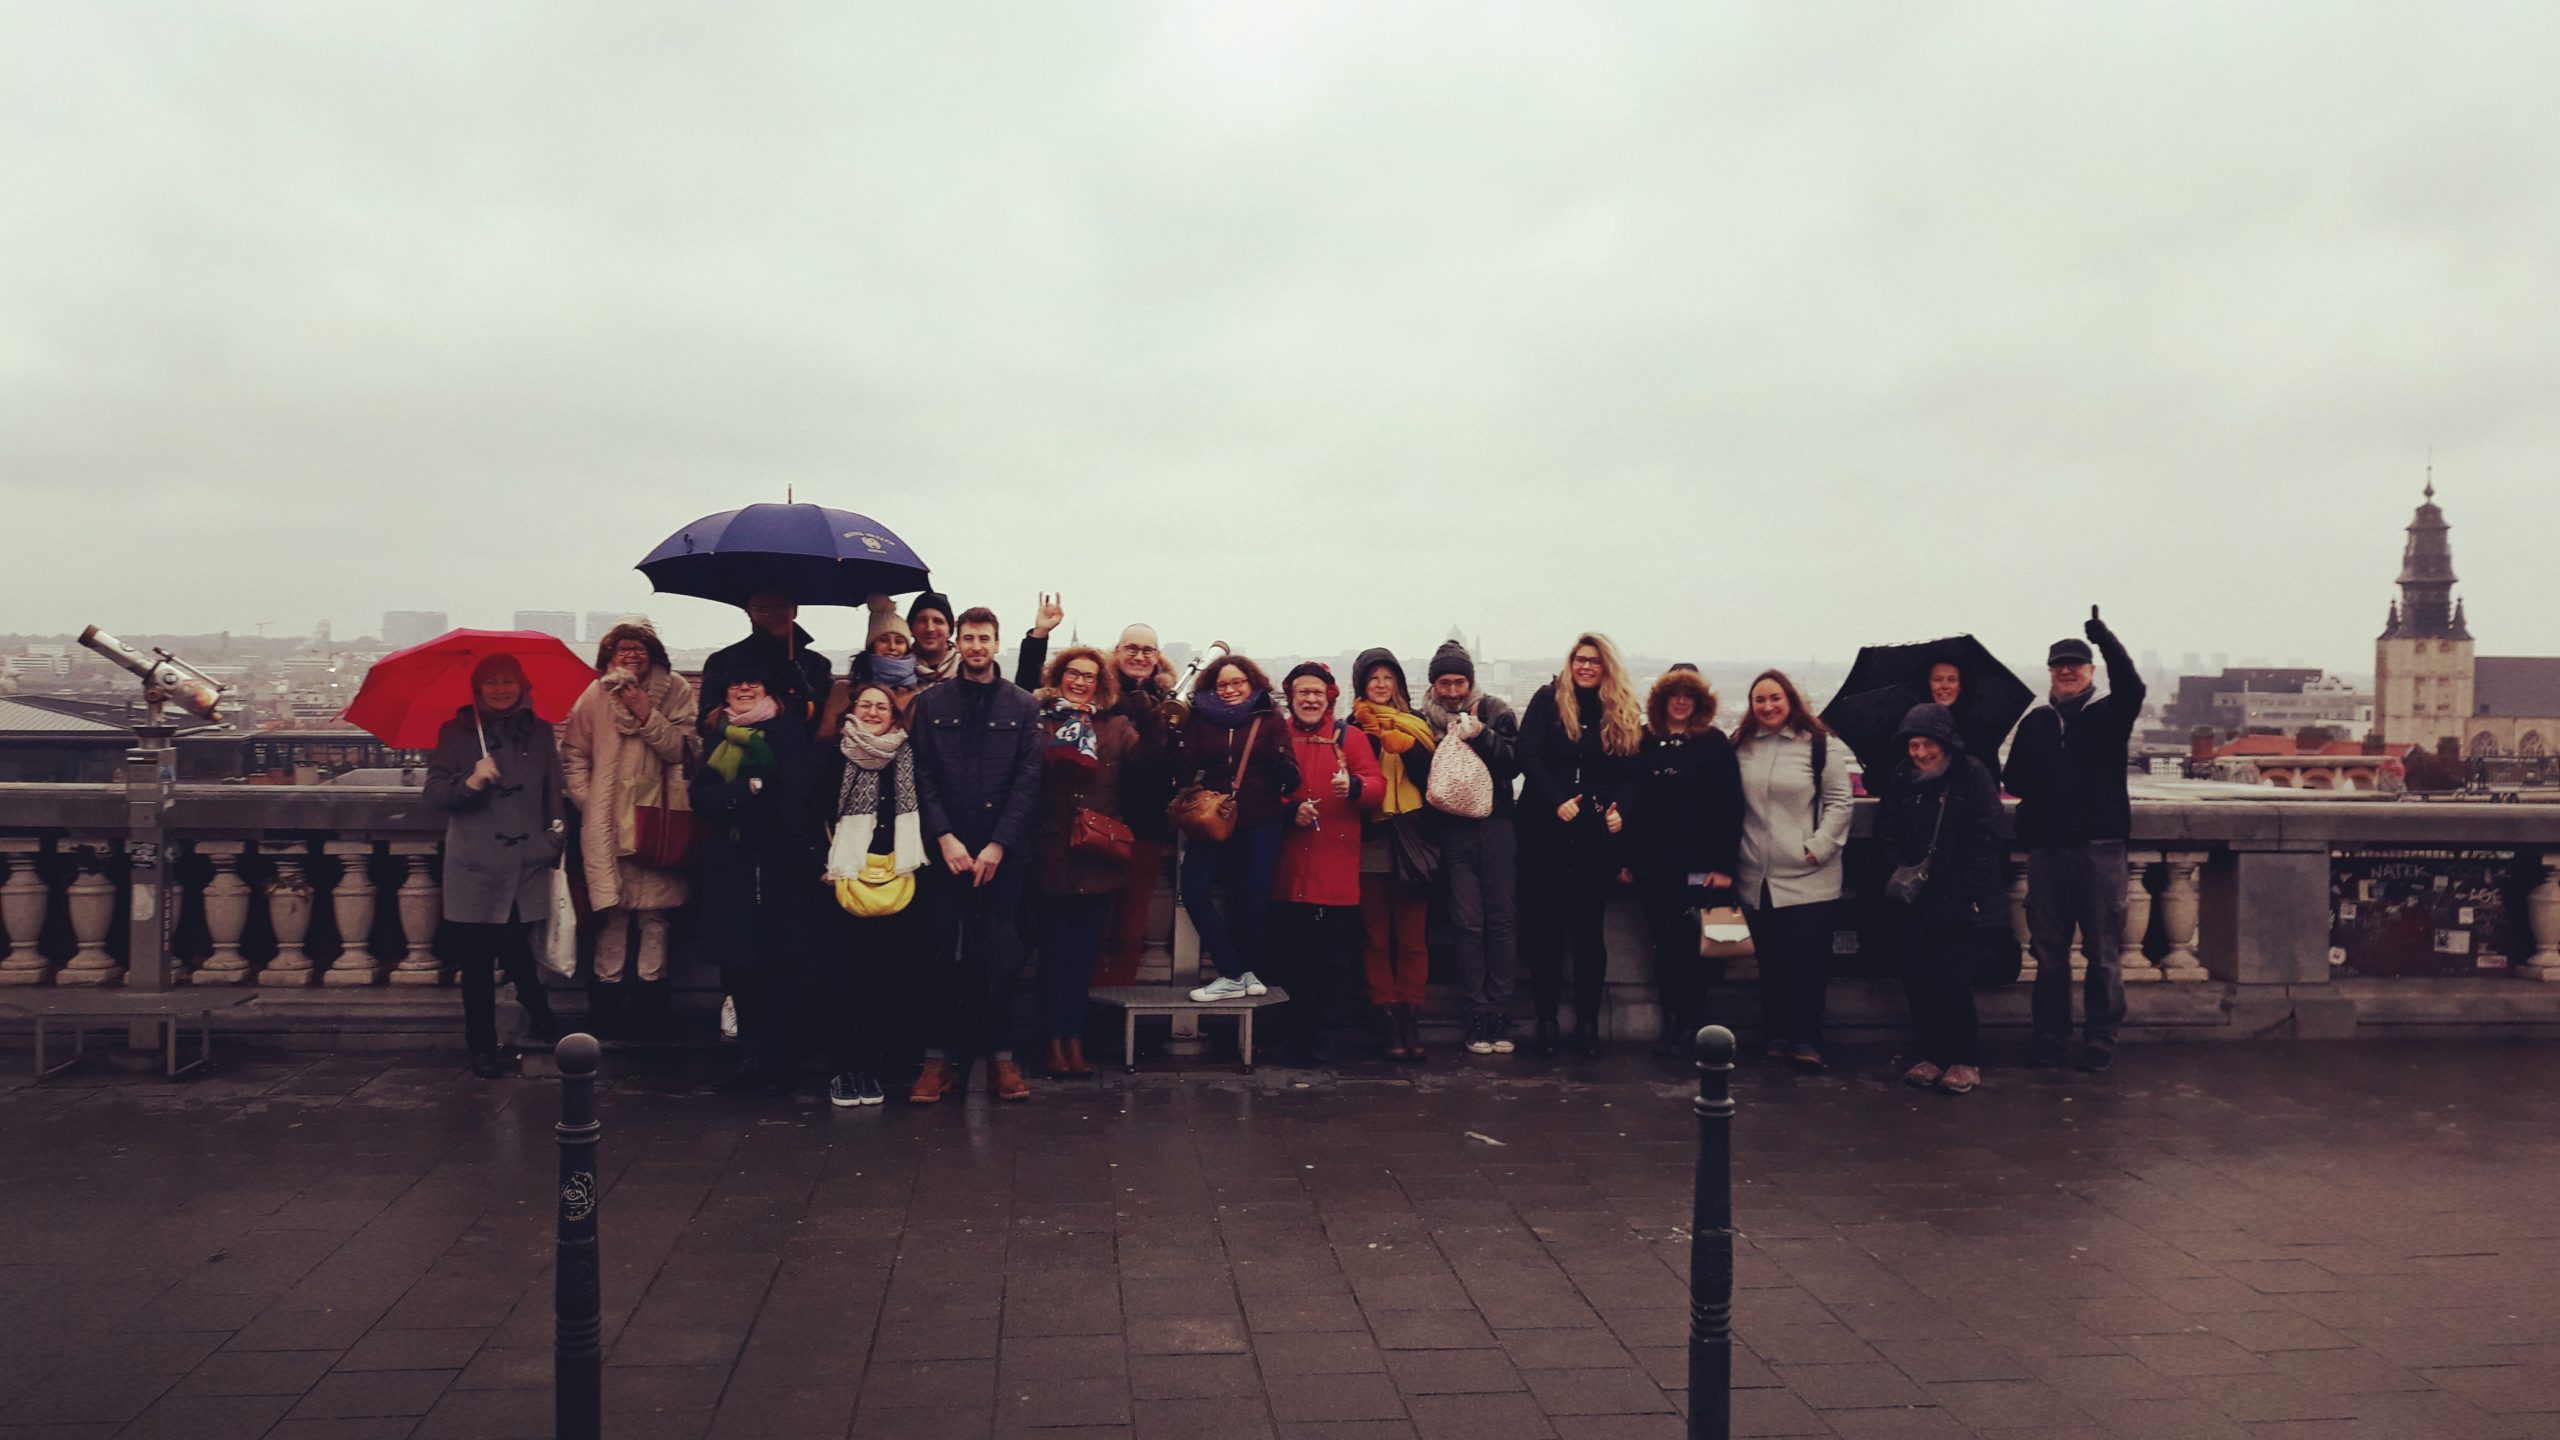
<point>1315,897</point>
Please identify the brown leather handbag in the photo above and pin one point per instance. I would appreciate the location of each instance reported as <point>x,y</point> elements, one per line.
<point>1097,836</point>
<point>1206,814</point>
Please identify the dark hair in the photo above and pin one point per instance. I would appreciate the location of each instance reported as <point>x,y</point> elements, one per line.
<point>647,637</point>
<point>1106,686</point>
<point>1797,715</point>
<point>1253,675</point>
<point>1681,680</point>
<point>1395,672</point>
<point>977,615</point>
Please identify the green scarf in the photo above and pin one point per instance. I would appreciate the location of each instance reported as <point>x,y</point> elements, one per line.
<point>742,750</point>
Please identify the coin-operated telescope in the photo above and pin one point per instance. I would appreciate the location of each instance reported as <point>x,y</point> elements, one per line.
<point>166,679</point>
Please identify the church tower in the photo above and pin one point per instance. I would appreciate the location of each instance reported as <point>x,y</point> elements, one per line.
<point>2422,662</point>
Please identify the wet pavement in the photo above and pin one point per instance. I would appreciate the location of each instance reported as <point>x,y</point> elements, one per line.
<point>2295,1240</point>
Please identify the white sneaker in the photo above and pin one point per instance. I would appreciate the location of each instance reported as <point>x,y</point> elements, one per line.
<point>1222,988</point>
<point>1253,986</point>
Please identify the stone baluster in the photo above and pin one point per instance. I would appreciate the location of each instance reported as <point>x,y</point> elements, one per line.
<point>2018,916</point>
<point>421,902</point>
<point>22,898</point>
<point>353,900</point>
<point>2180,905</point>
<point>2131,963</point>
<point>91,898</point>
<point>226,913</point>
<point>289,911</point>
<point>2542,914</point>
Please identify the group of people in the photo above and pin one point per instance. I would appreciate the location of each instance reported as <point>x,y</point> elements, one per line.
<point>875,856</point>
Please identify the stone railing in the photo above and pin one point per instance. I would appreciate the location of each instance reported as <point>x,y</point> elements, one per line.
<point>289,888</point>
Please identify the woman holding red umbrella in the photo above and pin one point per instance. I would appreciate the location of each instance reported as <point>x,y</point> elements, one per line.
<point>496,775</point>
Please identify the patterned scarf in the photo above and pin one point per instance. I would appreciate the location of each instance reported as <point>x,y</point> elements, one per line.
<point>1073,729</point>
<point>868,756</point>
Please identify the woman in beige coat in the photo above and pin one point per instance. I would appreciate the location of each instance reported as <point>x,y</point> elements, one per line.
<point>624,746</point>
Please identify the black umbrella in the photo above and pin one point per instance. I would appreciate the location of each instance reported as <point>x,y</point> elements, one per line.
<point>817,555</point>
<point>1888,680</point>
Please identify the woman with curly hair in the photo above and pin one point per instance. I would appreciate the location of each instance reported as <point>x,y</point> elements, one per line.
<point>1236,743</point>
<point>1684,841</point>
<point>1083,744</point>
<point>1578,744</point>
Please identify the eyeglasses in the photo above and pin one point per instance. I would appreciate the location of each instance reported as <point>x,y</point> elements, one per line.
<point>1140,650</point>
<point>1591,660</point>
<point>1090,677</point>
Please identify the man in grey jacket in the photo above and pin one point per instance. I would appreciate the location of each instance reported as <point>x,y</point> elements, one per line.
<point>1479,859</point>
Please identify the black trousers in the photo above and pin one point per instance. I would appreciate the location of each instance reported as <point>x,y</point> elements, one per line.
<point>477,950</point>
<point>976,943</point>
<point>1680,975</point>
<point>1937,975</point>
<point>1311,950</point>
<point>867,973</point>
<point>770,1016</point>
<point>1564,910</point>
<point>1793,944</point>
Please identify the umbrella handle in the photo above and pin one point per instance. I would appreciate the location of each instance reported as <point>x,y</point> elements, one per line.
<point>482,733</point>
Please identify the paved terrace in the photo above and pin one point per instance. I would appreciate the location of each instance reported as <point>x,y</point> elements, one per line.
<point>2288,1240</point>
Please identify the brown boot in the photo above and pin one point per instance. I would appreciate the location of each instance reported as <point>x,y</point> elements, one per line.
<point>1392,1018</point>
<point>1059,1065</point>
<point>1005,1082</point>
<point>930,1082</point>
<point>1077,1065</point>
<point>1412,1032</point>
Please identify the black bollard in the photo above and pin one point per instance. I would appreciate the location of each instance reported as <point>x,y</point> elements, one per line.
<point>1711,1244</point>
<point>577,1299</point>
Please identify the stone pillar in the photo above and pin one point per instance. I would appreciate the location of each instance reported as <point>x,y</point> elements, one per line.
<point>289,910</point>
<point>421,901</point>
<point>22,898</point>
<point>92,901</point>
<point>353,899</point>
<point>2178,910</point>
<point>226,913</point>
<point>2018,916</point>
<point>2135,966</point>
<point>2266,922</point>
<point>2542,913</point>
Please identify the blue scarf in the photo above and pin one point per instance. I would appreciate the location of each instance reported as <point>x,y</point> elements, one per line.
<point>1076,730</point>
<point>898,672</point>
<point>1221,714</point>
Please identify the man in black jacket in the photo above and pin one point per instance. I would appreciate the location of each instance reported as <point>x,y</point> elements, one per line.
<point>776,652</point>
<point>2067,768</point>
<point>977,742</point>
<point>1479,859</point>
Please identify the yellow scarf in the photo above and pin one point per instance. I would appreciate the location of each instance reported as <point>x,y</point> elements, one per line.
<point>1395,732</point>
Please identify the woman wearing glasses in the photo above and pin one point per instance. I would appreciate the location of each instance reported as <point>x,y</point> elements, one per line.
<point>1578,744</point>
<point>1084,746</point>
<point>1237,744</point>
<point>627,745</point>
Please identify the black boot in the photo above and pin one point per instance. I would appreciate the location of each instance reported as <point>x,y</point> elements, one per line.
<point>1673,1043</point>
<point>605,1010</point>
<point>1411,1019</point>
<point>649,1010</point>
<point>1586,1038</point>
<point>484,1063</point>
<point>1547,1037</point>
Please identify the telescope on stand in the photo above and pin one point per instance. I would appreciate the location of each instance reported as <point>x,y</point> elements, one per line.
<point>166,679</point>
<point>150,785</point>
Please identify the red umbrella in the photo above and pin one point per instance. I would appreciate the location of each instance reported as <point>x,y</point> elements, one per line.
<point>409,694</point>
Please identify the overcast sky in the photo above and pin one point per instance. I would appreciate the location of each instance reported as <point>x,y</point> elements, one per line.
<point>1733,330</point>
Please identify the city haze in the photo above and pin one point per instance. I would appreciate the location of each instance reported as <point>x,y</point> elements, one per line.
<point>1734,331</point>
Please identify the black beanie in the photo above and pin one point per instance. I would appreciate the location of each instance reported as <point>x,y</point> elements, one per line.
<point>930,600</point>
<point>1318,669</point>
<point>1452,659</point>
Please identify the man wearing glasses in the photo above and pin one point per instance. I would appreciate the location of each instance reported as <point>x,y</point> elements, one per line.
<point>2067,768</point>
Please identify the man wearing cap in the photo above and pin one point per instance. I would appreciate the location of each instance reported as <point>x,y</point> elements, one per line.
<point>1479,859</point>
<point>2067,768</point>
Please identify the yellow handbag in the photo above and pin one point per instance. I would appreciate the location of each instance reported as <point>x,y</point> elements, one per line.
<point>878,890</point>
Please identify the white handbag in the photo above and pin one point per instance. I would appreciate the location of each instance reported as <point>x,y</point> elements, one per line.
<point>1460,784</point>
<point>559,953</point>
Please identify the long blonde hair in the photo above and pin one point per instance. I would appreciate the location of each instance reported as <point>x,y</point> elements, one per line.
<point>1621,714</point>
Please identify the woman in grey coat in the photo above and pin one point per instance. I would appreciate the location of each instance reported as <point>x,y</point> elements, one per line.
<point>1795,824</point>
<point>496,775</point>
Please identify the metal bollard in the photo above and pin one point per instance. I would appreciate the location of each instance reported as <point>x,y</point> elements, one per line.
<point>1711,1244</point>
<point>577,1301</point>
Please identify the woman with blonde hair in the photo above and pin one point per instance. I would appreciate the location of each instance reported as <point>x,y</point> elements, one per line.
<point>1578,744</point>
<point>1795,824</point>
<point>1684,842</point>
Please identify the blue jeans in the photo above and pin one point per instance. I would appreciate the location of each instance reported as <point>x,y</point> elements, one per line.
<point>1229,945</point>
<point>1071,929</point>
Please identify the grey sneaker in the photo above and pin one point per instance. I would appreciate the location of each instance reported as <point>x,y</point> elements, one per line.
<point>1253,986</point>
<point>1222,988</point>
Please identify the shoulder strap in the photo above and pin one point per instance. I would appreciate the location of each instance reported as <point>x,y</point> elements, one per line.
<point>1244,762</point>
<point>1821,757</point>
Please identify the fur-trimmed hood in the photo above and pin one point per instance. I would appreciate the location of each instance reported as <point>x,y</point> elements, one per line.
<point>1657,705</point>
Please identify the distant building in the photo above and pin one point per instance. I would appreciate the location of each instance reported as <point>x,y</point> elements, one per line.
<point>2429,684</point>
<point>562,623</point>
<point>404,628</point>
<point>2328,702</point>
<point>598,622</point>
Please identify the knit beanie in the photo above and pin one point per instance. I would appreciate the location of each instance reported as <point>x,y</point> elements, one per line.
<point>1317,669</point>
<point>1452,659</point>
<point>931,600</point>
<point>885,619</point>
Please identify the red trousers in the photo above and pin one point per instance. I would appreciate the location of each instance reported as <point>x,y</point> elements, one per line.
<point>1126,940</point>
<point>1392,948</point>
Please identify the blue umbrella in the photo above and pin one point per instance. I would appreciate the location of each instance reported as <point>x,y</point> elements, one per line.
<point>819,556</point>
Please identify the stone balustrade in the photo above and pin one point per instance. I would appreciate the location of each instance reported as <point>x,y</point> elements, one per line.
<point>291,888</point>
